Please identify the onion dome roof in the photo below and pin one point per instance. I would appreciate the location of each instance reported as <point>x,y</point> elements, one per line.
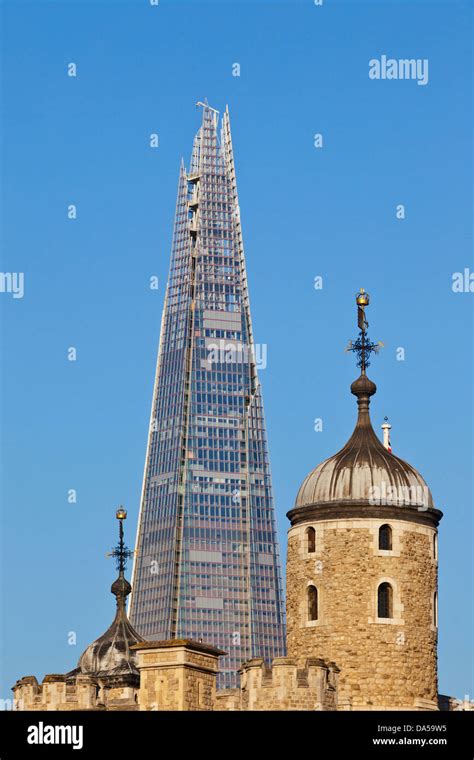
<point>111,653</point>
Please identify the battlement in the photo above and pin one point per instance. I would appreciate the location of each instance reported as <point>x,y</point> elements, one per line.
<point>283,685</point>
<point>82,692</point>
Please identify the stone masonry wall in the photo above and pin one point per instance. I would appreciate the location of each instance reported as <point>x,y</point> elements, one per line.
<point>282,686</point>
<point>384,663</point>
<point>176,678</point>
<point>81,693</point>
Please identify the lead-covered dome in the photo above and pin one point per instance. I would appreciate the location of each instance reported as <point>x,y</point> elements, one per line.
<point>364,470</point>
<point>111,653</point>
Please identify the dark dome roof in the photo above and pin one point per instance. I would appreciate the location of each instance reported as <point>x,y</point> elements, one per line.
<point>110,654</point>
<point>355,472</point>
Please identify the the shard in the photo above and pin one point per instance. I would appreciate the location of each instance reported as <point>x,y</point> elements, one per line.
<point>207,564</point>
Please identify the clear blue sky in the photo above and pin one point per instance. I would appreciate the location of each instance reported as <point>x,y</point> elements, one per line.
<point>305,212</point>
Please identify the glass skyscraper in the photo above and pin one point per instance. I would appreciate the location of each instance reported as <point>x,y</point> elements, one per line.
<point>207,565</point>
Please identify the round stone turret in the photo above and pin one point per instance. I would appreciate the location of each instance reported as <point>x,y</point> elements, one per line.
<point>362,572</point>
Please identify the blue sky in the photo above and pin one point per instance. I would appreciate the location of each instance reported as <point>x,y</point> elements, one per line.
<point>305,212</point>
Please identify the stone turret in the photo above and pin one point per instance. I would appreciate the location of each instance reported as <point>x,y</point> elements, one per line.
<point>122,671</point>
<point>362,569</point>
<point>106,676</point>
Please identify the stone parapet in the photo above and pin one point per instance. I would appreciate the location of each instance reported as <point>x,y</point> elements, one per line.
<point>283,685</point>
<point>177,674</point>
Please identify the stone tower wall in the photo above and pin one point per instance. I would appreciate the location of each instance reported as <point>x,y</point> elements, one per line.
<point>384,663</point>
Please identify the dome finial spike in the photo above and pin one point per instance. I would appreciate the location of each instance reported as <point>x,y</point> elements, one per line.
<point>121,552</point>
<point>121,587</point>
<point>363,346</point>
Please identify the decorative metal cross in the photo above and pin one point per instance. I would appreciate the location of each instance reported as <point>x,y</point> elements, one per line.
<point>121,553</point>
<point>363,346</point>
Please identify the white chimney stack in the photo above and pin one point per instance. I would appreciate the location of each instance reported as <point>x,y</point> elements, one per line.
<point>386,427</point>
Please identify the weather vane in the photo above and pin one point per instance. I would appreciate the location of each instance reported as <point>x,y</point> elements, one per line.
<point>363,347</point>
<point>121,553</point>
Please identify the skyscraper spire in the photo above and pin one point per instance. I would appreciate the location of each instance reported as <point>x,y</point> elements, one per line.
<point>207,565</point>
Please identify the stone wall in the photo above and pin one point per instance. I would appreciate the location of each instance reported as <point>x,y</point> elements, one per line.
<point>81,692</point>
<point>228,700</point>
<point>177,675</point>
<point>283,686</point>
<point>384,663</point>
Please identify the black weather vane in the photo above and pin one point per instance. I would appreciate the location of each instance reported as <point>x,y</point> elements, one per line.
<point>121,553</point>
<point>363,346</point>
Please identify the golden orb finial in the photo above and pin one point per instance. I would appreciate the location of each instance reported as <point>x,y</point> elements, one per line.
<point>362,298</point>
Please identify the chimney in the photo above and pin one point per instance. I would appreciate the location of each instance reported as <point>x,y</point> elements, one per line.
<point>386,427</point>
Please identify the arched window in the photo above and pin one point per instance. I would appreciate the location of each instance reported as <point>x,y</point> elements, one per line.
<point>385,537</point>
<point>312,603</point>
<point>310,540</point>
<point>384,601</point>
<point>435,609</point>
<point>435,546</point>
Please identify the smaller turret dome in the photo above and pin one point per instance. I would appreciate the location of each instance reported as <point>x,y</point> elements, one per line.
<point>111,653</point>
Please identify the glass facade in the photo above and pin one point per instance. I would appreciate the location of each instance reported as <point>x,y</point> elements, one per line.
<point>207,564</point>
